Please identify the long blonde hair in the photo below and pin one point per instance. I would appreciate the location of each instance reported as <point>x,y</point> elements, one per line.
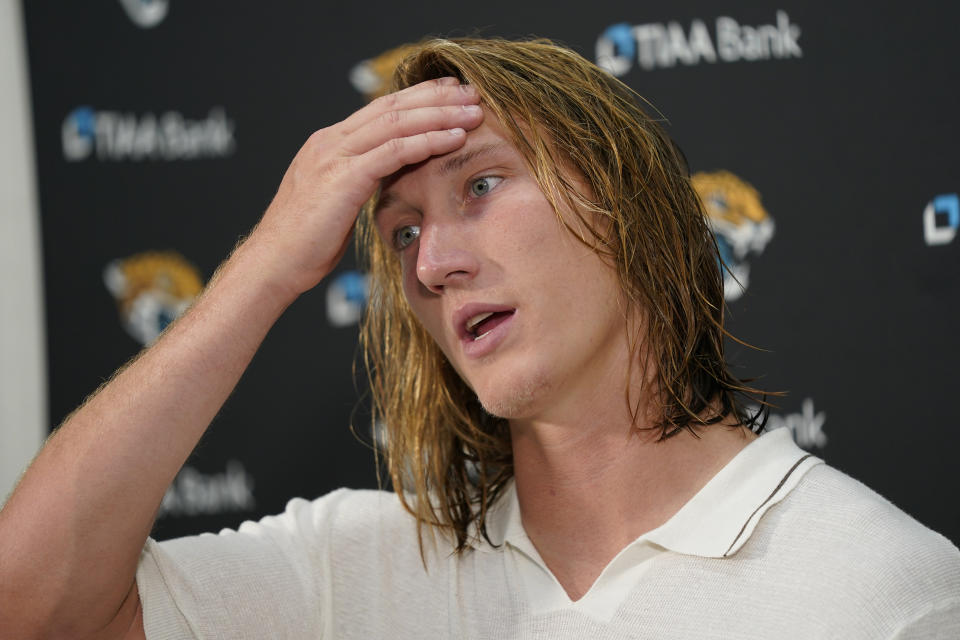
<point>448,459</point>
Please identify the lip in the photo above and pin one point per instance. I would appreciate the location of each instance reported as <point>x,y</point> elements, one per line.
<point>477,348</point>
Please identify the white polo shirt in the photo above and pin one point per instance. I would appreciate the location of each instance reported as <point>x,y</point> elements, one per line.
<point>715,523</point>
<point>776,545</point>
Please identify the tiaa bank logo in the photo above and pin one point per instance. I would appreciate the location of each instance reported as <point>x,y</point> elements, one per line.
<point>116,136</point>
<point>347,298</point>
<point>740,224</point>
<point>941,218</point>
<point>195,493</point>
<point>146,13</point>
<point>806,425</point>
<point>79,133</point>
<point>661,45</point>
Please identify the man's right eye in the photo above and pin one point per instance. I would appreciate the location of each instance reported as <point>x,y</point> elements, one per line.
<point>405,235</point>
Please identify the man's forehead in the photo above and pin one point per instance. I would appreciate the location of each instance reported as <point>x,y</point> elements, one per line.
<point>444,165</point>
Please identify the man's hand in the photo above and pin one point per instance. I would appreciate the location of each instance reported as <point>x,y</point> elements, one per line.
<point>307,226</point>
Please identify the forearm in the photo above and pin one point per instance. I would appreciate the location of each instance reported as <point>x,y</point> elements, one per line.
<point>71,533</point>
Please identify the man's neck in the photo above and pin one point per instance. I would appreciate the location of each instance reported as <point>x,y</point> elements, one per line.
<point>589,489</point>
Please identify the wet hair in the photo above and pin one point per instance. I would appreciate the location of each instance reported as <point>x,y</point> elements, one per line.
<point>447,458</point>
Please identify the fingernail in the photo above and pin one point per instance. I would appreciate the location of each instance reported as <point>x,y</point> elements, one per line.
<point>472,109</point>
<point>457,132</point>
<point>468,89</point>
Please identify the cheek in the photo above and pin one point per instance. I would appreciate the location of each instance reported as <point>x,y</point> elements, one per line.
<point>411,287</point>
<point>408,273</point>
<point>425,307</point>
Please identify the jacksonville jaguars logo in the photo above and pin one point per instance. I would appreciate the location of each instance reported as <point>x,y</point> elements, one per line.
<point>152,289</point>
<point>146,13</point>
<point>740,224</point>
<point>372,77</point>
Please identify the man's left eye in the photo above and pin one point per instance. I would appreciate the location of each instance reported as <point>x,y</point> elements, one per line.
<point>483,186</point>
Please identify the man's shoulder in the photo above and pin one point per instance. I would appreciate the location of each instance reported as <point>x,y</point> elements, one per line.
<point>836,526</point>
<point>346,510</point>
<point>371,520</point>
<point>834,504</point>
<point>344,514</point>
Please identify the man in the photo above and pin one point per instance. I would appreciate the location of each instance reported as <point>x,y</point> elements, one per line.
<point>545,345</point>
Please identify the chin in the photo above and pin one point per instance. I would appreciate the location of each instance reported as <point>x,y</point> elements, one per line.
<point>515,397</point>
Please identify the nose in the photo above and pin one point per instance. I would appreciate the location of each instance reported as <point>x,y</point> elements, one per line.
<point>445,257</point>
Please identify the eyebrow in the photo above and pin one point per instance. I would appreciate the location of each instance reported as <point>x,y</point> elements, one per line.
<point>384,200</point>
<point>458,161</point>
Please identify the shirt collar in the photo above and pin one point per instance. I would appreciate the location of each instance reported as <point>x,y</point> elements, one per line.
<point>717,521</point>
<point>720,518</point>
<point>503,522</point>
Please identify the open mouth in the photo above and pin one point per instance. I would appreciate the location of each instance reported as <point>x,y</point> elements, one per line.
<point>482,324</point>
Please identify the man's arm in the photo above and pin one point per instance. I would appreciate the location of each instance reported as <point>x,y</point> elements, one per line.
<point>71,533</point>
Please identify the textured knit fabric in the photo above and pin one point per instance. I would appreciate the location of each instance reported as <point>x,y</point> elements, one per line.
<point>777,545</point>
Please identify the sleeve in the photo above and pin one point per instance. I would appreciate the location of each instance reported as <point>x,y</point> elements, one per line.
<point>267,579</point>
<point>937,623</point>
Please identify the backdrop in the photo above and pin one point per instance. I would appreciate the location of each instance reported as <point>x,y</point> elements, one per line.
<point>824,143</point>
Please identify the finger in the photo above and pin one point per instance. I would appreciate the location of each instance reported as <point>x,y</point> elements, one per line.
<point>396,153</point>
<point>410,122</point>
<point>432,93</point>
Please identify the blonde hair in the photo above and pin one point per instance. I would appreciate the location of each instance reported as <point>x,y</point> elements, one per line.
<point>448,459</point>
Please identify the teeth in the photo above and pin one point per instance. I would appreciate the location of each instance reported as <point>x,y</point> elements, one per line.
<point>477,319</point>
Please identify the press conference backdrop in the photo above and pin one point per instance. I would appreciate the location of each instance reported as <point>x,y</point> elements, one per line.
<point>823,140</point>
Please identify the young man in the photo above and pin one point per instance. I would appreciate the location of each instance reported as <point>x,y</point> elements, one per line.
<point>545,345</point>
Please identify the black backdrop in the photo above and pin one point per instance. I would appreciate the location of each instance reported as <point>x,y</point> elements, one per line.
<point>173,137</point>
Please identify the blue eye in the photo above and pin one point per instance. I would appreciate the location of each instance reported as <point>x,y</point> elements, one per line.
<point>405,235</point>
<point>483,186</point>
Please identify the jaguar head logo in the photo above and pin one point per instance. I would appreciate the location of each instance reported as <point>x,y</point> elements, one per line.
<point>740,223</point>
<point>152,289</point>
